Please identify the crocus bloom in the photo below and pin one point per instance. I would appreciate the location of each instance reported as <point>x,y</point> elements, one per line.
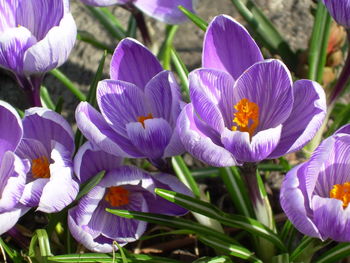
<point>13,170</point>
<point>139,105</point>
<point>49,146</point>
<point>122,187</point>
<point>164,10</point>
<point>244,108</point>
<point>35,37</point>
<point>339,10</point>
<point>315,194</point>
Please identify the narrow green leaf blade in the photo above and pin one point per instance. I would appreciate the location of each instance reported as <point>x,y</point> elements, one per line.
<point>85,188</point>
<point>229,249</point>
<point>171,221</point>
<point>107,19</point>
<point>335,254</point>
<point>209,210</point>
<point>194,18</point>
<point>68,83</point>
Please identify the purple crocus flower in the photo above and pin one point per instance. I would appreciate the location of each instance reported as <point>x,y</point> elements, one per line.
<point>139,105</point>
<point>35,37</point>
<point>49,146</point>
<point>244,108</point>
<point>315,194</point>
<point>123,187</point>
<point>13,170</point>
<point>164,10</point>
<point>339,10</point>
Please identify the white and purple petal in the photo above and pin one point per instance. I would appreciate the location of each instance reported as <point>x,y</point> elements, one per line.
<point>53,50</point>
<point>11,128</point>
<point>269,85</point>
<point>163,97</point>
<point>14,43</point>
<point>229,47</point>
<point>295,202</point>
<point>134,63</point>
<point>45,126</point>
<point>255,149</point>
<point>339,10</point>
<point>165,10</point>
<point>90,160</point>
<point>309,111</point>
<point>211,93</point>
<point>92,124</point>
<point>152,138</point>
<point>13,173</point>
<point>120,103</point>
<point>203,145</point>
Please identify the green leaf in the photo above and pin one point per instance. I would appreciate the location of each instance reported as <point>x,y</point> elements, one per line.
<point>304,244</point>
<point>335,254</point>
<point>194,18</point>
<point>173,222</point>
<point>265,31</point>
<point>282,258</point>
<point>40,238</point>
<point>59,105</point>
<point>220,259</point>
<point>287,233</point>
<point>182,72</point>
<point>248,224</point>
<point>86,187</point>
<point>132,26</point>
<point>68,83</point>
<point>165,50</point>
<point>98,257</point>
<point>45,97</point>
<point>13,254</point>
<point>229,249</point>
<point>319,43</point>
<point>89,38</point>
<point>175,232</point>
<point>237,190</point>
<point>108,20</point>
<point>184,174</point>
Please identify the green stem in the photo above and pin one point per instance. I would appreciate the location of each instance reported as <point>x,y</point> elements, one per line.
<point>261,207</point>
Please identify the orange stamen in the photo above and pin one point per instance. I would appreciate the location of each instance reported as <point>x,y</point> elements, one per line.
<point>142,119</point>
<point>341,192</point>
<point>117,196</point>
<point>247,117</point>
<point>41,167</point>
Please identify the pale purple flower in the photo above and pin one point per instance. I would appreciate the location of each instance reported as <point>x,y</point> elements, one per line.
<point>49,146</point>
<point>13,170</point>
<point>164,10</point>
<point>36,36</point>
<point>315,194</point>
<point>139,107</point>
<point>244,108</point>
<point>122,187</point>
<point>339,10</point>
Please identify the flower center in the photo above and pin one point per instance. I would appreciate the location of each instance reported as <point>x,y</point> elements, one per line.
<point>341,192</point>
<point>40,167</point>
<point>117,196</point>
<point>247,117</point>
<point>142,119</point>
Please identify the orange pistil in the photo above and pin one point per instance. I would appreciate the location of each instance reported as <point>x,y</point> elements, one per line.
<point>247,117</point>
<point>142,119</point>
<point>40,167</point>
<point>117,196</point>
<point>341,192</point>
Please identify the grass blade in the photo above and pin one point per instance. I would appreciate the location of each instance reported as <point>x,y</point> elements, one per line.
<point>194,18</point>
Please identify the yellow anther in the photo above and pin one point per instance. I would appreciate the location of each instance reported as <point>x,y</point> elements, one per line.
<point>341,192</point>
<point>247,117</point>
<point>117,196</point>
<point>41,167</point>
